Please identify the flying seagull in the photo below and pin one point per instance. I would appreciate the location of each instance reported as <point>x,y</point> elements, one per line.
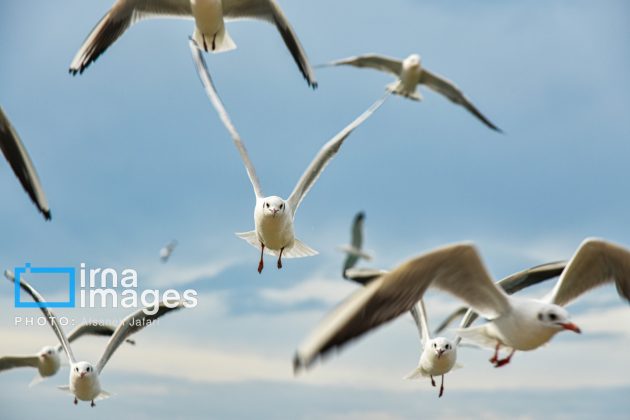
<point>23,168</point>
<point>84,381</point>
<point>274,216</point>
<point>210,32</point>
<point>439,355</point>
<point>410,73</point>
<point>511,284</point>
<point>167,250</point>
<point>354,250</point>
<point>514,322</point>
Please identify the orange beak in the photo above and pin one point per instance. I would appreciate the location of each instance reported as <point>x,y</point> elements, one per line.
<point>571,326</point>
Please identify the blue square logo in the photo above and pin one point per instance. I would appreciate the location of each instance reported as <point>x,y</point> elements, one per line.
<point>68,274</point>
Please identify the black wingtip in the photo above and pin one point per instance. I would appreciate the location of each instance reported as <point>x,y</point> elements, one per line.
<point>297,365</point>
<point>47,215</point>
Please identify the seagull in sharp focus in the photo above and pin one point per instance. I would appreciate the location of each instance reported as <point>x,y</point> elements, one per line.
<point>514,322</point>
<point>439,355</point>
<point>210,32</point>
<point>274,216</point>
<point>23,168</point>
<point>84,381</point>
<point>410,73</point>
<point>167,251</point>
<point>354,250</point>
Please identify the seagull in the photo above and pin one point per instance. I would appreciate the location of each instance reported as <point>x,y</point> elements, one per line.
<point>410,73</point>
<point>84,381</point>
<point>167,250</point>
<point>511,284</point>
<point>439,355</point>
<point>274,216</point>
<point>17,156</point>
<point>210,31</point>
<point>514,322</point>
<point>353,250</point>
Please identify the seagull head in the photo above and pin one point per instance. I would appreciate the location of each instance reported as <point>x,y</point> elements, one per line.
<point>413,60</point>
<point>556,317</point>
<point>48,353</point>
<point>441,347</point>
<point>273,206</point>
<point>83,370</point>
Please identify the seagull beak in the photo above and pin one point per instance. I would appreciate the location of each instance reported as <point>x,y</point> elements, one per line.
<point>571,326</point>
<point>82,374</point>
<point>440,353</point>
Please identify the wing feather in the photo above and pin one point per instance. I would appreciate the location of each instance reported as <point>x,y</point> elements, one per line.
<point>373,61</point>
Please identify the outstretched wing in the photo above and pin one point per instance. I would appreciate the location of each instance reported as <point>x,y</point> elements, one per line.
<point>206,81</point>
<point>452,92</point>
<point>52,320</point>
<point>122,15</point>
<point>268,10</point>
<point>91,329</point>
<point>595,263</point>
<point>23,168</point>
<point>419,314</point>
<point>10,362</point>
<point>325,155</point>
<point>373,61</point>
<point>131,325</point>
<point>457,269</point>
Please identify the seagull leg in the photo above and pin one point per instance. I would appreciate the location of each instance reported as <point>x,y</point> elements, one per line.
<point>92,404</point>
<point>280,259</point>
<point>261,263</point>
<point>214,42</point>
<point>75,401</point>
<point>494,359</point>
<point>441,388</point>
<point>205,46</point>
<point>505,361</point>
<point>432,381</point>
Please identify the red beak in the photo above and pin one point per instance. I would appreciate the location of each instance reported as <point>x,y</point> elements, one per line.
<point>571,326</point>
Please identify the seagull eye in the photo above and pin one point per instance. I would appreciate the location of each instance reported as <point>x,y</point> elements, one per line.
<point>553,316</point>
<point>448,346</point>
<point>76,369</point>
<point>540,317</point>
<point>435,345</point>
<point>89,369</point>
<point>281,206</point>
<point>267,205</point>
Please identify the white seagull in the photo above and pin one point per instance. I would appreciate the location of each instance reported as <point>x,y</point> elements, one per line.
<point>167,250</point>
<point>439,355</point>
<point>354,250</point>
<point>274,216</point>
<point>210,32</point>
<point>23,168</point>
<point>84,381</point>
<point>410,73</point>
<point>514,322</point>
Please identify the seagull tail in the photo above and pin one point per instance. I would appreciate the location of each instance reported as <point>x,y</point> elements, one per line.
<point>417,373</point>
<point>299,250</point>
<point>397,88</point>
<point>217,43</point>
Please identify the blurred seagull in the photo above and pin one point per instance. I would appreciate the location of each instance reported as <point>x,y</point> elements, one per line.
<point>274,216</point>
<point>17,156</point>
<point>410,74</point>
<point>514,322</point>
<point>439,355</point>
<point>167,250</point>
<point>84,381</point>
<point>354,249</point>
<point>210,32</point>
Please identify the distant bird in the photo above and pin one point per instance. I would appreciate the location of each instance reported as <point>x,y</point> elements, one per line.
<point>439,355</point>
<point>23,168</point>
<point>354,250</point>
<point>167,250</point>
<point>84,381</point>
<point>210,32</point>
<point>274,216</point>
<point>514,322</point>
<point>511,284</point>
<point>410,74</point>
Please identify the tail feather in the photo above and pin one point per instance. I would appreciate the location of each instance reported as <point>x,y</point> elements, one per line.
<point>220,42</point>
<point>397,88</point>
<point>417,373</point>
<point>299,250</point>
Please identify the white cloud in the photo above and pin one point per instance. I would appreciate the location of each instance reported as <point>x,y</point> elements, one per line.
<point>314,289</point>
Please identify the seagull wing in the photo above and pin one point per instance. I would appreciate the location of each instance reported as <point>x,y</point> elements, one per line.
<point>452,317</point>
<point>131,325</point>
<point>325,155</point>
<point>357,231</point>
<point>17,156</point>
<point>419,314</point>
<point>52,320</point>
<point>457,269</point>
<point>269,11</point>
<point>10,362</point>
<point>122,15</point>
<point>373,61</point>
<point>363,275</point>
<point>595,263</point>
<point>91,329</point>
<point>206,81</point>
<point>452,92</point>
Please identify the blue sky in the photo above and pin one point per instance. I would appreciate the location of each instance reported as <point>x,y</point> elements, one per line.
<point>131,155</point>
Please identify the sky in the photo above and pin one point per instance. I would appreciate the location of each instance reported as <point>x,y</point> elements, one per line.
<point>132,155</point>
